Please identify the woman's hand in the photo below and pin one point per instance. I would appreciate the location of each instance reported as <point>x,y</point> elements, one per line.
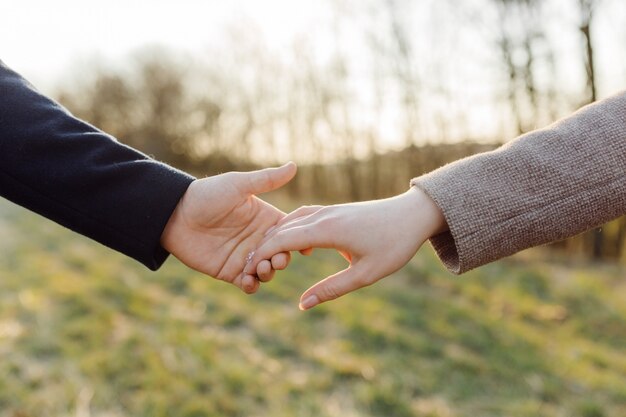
<point>377,238</point>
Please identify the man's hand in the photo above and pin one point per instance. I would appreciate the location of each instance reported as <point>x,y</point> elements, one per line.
<point>219,221</point>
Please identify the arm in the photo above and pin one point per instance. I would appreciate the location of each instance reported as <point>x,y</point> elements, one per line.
<point>547,185</point>
<point>376,237</point>
<point>82,178</point>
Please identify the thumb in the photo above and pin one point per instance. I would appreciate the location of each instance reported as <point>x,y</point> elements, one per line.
<point>341,283</point>
<point>268,179</point>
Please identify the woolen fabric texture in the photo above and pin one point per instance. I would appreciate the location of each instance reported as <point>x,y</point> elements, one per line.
<point>82,178</point>
<point>544,186</point>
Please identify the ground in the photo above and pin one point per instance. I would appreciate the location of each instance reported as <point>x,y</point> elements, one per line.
<point>85,332</point>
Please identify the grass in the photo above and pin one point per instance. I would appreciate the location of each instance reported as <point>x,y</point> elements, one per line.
<point>86,332</point>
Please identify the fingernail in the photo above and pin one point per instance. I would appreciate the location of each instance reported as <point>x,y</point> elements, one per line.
<point>309,302</point>
<point>270,230</point>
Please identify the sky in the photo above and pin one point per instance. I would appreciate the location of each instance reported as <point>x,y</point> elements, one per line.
<point>42,39</point>
<point>48,41</point>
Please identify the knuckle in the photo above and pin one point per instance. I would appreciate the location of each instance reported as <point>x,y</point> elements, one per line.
<point>279,237</point>
<point>327,222</point>
<point>329,292</point>
<point>301,212</point>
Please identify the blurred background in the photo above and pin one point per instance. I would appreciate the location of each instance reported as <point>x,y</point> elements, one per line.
<point>363,95</point>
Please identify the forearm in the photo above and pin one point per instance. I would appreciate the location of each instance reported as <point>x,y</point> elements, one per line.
<point>544,186</point>
<point>80,177</point>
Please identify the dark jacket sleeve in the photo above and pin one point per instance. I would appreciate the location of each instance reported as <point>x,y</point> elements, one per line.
<point>68,171</point>
<point>544,186</point>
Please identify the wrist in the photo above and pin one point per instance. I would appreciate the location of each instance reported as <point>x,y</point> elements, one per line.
<point>170,232</point>
<point>429,214</point>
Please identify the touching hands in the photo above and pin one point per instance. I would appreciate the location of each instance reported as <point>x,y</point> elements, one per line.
<point>219,221</point>
<point>376,237</point>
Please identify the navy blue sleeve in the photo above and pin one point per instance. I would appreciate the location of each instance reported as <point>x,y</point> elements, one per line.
<point>78,176</point>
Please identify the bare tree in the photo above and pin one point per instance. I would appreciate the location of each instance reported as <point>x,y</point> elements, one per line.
<point>587,13</point>
<point>519,32</point>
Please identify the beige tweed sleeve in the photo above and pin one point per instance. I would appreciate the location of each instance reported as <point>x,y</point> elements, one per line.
<point>541,187</point>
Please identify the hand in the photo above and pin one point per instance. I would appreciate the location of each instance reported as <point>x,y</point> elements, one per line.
<point>376,237</point>
<point>219,221</point>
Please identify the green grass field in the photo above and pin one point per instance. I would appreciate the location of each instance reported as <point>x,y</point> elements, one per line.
<point>86,332</point>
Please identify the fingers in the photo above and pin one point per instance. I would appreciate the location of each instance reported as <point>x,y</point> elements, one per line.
<point>264,271</point>
<point>335,286</point>
<point>268,179</point>
<point>281,260</point>
<point>247,283</point>
<point>304,216</point>
<point>306,252</point>
<point>296,238</point>
<point>346,255</point>
<point>300,212</point>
